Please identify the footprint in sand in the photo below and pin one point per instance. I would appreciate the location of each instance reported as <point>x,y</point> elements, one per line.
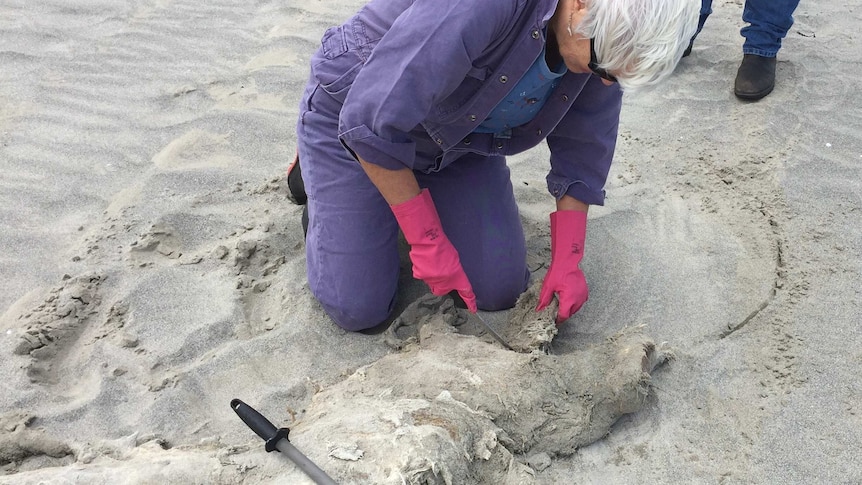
<point>159,239</point>
<point>53,327</point>
<point>19,442</point>
<point>197,149</point>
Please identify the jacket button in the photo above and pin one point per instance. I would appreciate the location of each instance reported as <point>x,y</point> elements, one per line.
<point>504,79</point>
<point>439,141</point>
<point>499,145</point>
<point>565,97</point>
<point>472,117</point>
<point>539,132</point>
<point>535,34</point>
<point>467,141</point>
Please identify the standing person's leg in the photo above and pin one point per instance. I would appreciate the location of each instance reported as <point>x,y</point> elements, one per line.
<point>477,208</point>
<point>705,11</point>
<point>769,21</point>
<point>352,239</point>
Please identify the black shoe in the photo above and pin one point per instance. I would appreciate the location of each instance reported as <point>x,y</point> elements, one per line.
<point>687,51</point>
<point>295,185</point>
<point>755,78</point>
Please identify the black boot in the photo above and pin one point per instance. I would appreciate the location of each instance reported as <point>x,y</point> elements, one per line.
<point>295,185</point>
<point>687,51</point>
<point>755,78</point>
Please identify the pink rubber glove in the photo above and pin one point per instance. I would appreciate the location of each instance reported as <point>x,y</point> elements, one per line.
<point>564,277</point>
<point>435,259</point>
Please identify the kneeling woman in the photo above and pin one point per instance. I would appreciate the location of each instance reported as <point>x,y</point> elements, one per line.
<point>409,113</point>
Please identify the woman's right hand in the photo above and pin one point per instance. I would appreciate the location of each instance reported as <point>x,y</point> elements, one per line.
<point>435,259</point>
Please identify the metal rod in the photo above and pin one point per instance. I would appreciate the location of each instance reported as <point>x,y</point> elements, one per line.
<point>493,332</point>
<point>459,303</point>
<point>313,471</point>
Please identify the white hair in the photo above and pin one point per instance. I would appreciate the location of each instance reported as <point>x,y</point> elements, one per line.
<point>640,41</point>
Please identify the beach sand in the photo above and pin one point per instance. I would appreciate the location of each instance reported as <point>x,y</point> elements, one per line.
<point>153,269</point>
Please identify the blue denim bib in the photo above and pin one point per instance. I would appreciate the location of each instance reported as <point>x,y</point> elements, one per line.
<point>524,100</point>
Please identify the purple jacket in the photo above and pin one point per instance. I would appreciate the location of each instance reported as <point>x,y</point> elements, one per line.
<point>416,77</point>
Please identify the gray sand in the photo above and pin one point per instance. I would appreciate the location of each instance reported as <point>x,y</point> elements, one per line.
<point>153,269</point>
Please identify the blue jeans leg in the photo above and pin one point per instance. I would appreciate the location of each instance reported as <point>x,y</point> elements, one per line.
<point>769,21</point>
<point>705,11</point>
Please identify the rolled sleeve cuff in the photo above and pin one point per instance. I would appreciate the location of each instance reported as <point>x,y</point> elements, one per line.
<point>560,186</point>
<point>363,143</point>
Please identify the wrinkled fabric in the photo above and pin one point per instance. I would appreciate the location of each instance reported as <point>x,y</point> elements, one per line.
<point>352,257</point>
<point>448,63</point>
<point>404,83</point>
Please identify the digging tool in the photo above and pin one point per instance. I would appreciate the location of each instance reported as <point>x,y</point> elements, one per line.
<point>276,439</point>
<point>459,302</point>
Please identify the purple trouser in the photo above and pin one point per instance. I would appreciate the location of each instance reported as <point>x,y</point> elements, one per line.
<point>352,240</point>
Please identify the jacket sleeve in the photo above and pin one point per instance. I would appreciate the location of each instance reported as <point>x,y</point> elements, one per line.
<point>582,145</point>
<point>423,57</point>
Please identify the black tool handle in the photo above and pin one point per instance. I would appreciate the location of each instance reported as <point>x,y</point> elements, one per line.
<point>276,439</point>
<point>259,424</point>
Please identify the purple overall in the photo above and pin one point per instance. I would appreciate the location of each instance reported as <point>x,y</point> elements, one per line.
<point>404,83</point>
